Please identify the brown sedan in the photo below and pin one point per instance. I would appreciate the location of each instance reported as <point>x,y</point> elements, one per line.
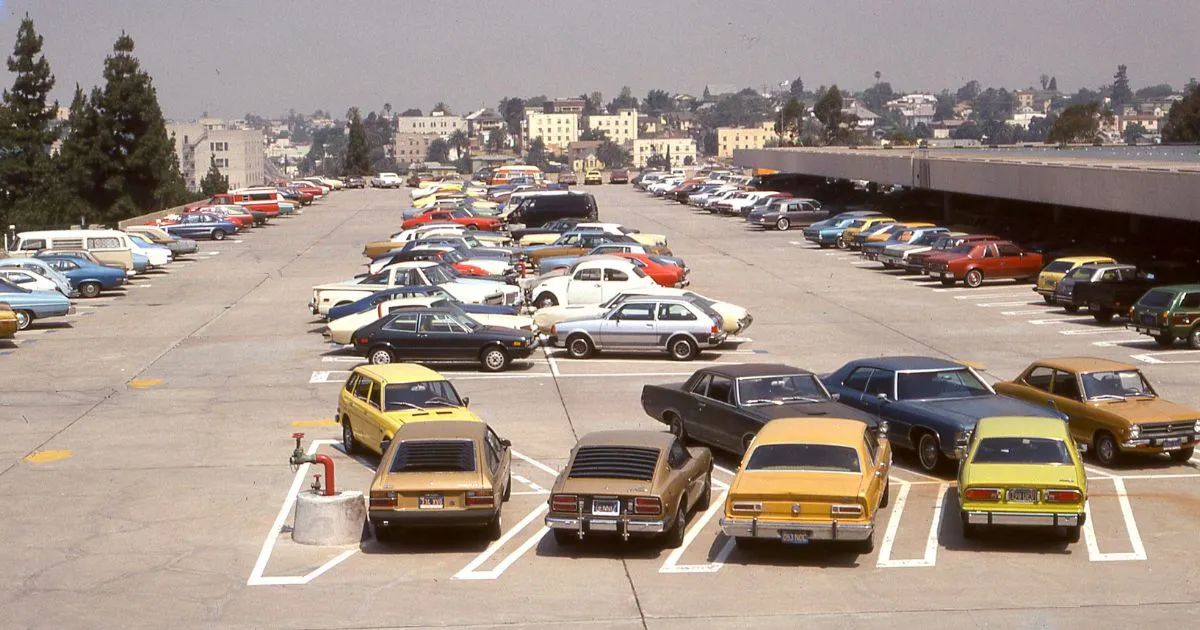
<point>630,483</point>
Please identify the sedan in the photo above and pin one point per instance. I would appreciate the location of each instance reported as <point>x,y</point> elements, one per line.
<point>440,334</point>
<point>677,326</point>
<point>202,225</point>
<point>30,305</point>
<point>86,277</point>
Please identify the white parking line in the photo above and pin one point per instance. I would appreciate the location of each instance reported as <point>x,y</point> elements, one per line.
<point>985,296</point>
<point>1018,303</point>
<point>977,291</point>
<point>889,537</point>
<point>212,253</point>
<point>671,564</point>
<point>1153,357</point>
<point>551,361</point>
<point>536,488</point>
<point>1135,539</point>
<point>1089,331</point>
<point>1119,342</point>
<point>1053,321</point>
<point>1037,311</point>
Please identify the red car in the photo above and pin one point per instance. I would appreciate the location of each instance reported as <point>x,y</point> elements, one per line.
<point>664,274</point>
<point>459,216</point>
<point>993,260</point>
<point>307,188</point>
<point>919,262</point>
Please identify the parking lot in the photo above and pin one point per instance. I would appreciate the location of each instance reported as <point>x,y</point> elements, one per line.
<point>143,456</point>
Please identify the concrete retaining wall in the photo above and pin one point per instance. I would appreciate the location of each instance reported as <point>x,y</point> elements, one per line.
<point>147,218</point>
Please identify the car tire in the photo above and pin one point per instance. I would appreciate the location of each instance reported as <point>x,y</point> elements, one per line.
<point>682,349</point>
<point>1072,533</point>
<point>495,528</point>
<point>218,235</point>
<point>1183,454</point>
<point>706,496</point>
<point>1105,447</point>
<point>929,452</point>
<point>1165,341</point>
<point>507,489</point>
<point>580,347</point>
<point>24,319</point>
<point>783,224</point>
<point>546,300</point>
<point>493,359</point>
<point>90,289</point>
<point>381,356</point>
<point>565,537</point>
<point>864,547</point>
<point>1103,315</point>
<point>887,265</point>
<point>1047,299</point>
<point>1193,338</point>
<point>472,228</point>
<point>841,243</point>
<point>676,426</point>
<point>948,282</point>
<point>673,539</point>
<point>887,495</point>
<point>973,279</point>
<point>349,444</point>
<point>1070,308</point>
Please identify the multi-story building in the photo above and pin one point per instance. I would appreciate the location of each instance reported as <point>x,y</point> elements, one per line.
<point>555,130</point>
<point>413,147</point>
<point>437,123</point>
<point>240,154</point>
<point>620,127</point>
<point>729,139</point>
<point>564,106</point>
<point>681,149</point>
<point>915,109</point>
<point>483,121</point>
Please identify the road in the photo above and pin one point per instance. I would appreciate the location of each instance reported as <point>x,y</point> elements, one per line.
<point>144,445</point>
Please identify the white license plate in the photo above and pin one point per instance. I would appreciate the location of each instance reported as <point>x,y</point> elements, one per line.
<point>797,537</point>
<point>1172,443</point>
<point>606,507</point>
<point>431,501</point>
<point>1022,495</point>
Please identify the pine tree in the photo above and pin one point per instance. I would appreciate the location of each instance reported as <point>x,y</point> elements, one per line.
<point>358,150</point>
<point>26,133</point>
<point>214,182</point>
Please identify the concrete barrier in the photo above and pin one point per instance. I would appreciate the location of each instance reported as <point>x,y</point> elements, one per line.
<point>147,218</point>
<point>335,520</point>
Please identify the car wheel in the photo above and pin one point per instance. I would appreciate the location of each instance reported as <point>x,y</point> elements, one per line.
<point>682,349</point>
<point>508,488</point>
<point>546,300</point>
<point>218,235</point>
<point>1072,533</point>
<point>783,224</point>
<point>1193,338</point>
<point>676,426</point>
<point>674,536</point>
<point>1103,316</point>
<point>580,347</point>
<point>381,356</point>
<point>493,359</point>
<point>929,452</point>
<point>1106,448</point>
<point>385,534</point>
<point>349,444</point>
<point>565,537</point>
<point>841,243</point>
<point>472,228</point>
<point>706,497</point>
<point>1047,299</point>
<point>887,495</point>
<point>1165,341</point>
<point>494,528</point>
<point>974,278</point>
<point>1070,308</point>
<point>89,289</point>
<point>948,282</point>
<point>864,547</point>
<point>24,319</point>
<point>1183,454</point>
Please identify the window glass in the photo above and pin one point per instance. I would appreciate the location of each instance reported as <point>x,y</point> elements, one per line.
<point>701,386</point>
<point>1039,377</point>
<point>881,383</point>
<point>404,322</point>
<point>678,455</point>
<point>362,389</point>
<point>33,244</point>
<point>424,394</point>
<point>1191,300</point>
<point>588,275</point>
<point>989,251</point>
<point>1065,385</point>
<point>351,382</point>
<point>1009,250</point>
<point>637,312</point>
<point>858,379</point>
<point>107,242</point>
<point>770,390</point>
<point>1119,384</point>
<point>376,396</point>
<point>440,323</point>
<point>721,388</point>
<point>1156,299</point>
<point>1109,276</point>
<point>871,443</point>
<point>822,457</point>
<point>943,384</point>
<point>675,313</point>
<point>1018,450</point>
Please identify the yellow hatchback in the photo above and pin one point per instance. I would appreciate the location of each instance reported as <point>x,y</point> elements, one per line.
<point>864,224</point>
<point>379,399</point>
<point>1058,269</point>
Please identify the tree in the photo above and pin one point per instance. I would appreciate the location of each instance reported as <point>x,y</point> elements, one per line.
<point>358,148</point>
<point>411,112</point>
<point>876,96</point>
<point>536,155</point>
<point>214,182</point>
<point>1053,87</point>
<point>497,140</point>
<point>1183,121</point>
<point>593,134</point>
<point>944,110</point>
<point>1045,81</point>
<point>1083,97</point>
<point>922,131</point>
<point>613,155</point>
<point>1121,94</point>
<point>512,110</point>
<point>1039,128</point>
<point>592,104</point>
<point>968,92</point>
<point>441,107</point>
<point>1134,132</point>
<point>439,151</point>
<point>796,89</point>
<point>789,119</point>
<point>658,102</point>
<point>993,104</point>
<point>26,133</point>
<point>828,110</point>
<point>461,143</point>
<point>1077,123</point>
<point>1161,90</point>
<point>626,100</point>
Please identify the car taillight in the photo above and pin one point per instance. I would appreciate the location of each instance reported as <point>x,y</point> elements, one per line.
<point>363,340</point>
<point>564,503</point>
<point>480,499</point>
<point>1063,496</point>
<point>383,499</point>
<point>714,330</point>
<point>647,505</point>
<point>746,506</point>
<point>1165,317</point>
<point>982,494</point>
<point>846,510</point>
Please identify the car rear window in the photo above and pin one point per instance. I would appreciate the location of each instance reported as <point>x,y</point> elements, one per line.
<point>434,456</point>
<point>615,462</point>
<point>1021,450</point>
<point>1157,299</point>
<point>1058,266</point>
<point>797,457</point>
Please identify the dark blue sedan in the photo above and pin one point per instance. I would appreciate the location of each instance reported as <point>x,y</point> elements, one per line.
<point>931,405</point>
<point>202,225</point>
<point>375,299</point>
<point>87,277</point>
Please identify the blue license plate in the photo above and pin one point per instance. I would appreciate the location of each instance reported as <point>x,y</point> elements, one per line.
<point>799,537</point>
<point>1172,443</point>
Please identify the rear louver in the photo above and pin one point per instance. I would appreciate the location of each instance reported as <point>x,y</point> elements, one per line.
<point>430,456</point>
<point>615,462</point>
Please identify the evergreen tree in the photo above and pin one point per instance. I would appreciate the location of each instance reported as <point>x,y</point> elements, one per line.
<point>82,162</point>
<point>214,182</point>
<point>358,150</point>
<point>1183,121</point>
<point>26,134</point>
<point>439,151</point>
<point>537,152</point>
<point>1121,94</point>
<point>1053,84</point>
<point>796,89</point>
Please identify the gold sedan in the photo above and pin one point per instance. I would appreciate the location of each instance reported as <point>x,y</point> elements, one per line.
<point>8,322</point>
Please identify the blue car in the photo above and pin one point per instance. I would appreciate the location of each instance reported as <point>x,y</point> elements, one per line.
<point>930,405</point>
<point>85,276</point>
<point>30,305</point>
<point>140,263</point>
<point>202,225</point>
<point>825,233</point>
<point>374,299</point>
<point>872,250</point>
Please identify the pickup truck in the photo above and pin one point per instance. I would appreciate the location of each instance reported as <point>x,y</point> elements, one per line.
<point>590,281</point>
<point>1110,290</point>
<point>416,273</point>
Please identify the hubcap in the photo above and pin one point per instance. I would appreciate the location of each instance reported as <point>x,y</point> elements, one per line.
<point>579,347</point>
<point>347,436</point>
<point>682,349</point>
<point>380,358</point>
<point>22,320</point>
<point>494,359</point>
<point>928,452</point>
<point>1105,448</point>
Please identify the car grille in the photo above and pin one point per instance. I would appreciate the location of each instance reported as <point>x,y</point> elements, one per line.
<point>938,267</point>
<point>614,462</point>
<point>1179,428</point>
<point>497,298</point>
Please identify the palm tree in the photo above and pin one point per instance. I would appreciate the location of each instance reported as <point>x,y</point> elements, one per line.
<point>460,142</point>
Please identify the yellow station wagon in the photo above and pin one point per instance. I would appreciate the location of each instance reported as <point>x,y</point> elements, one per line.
<point>379,399</point>
<point>1058,269</point>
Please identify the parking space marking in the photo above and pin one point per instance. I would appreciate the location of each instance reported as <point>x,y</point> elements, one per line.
<point>551,361</point>
<point>1119,342</point>
<point>1154,357</point>
<point>1088,331</point>
<point>1135,539</point>
<point>212,253</point>
<point>337,377</point>
<point>1016,303</point>
<point>1054,321</point>
<point>264,555</point>
<point>671,564</point>
<point>889,537</point>
<point>1036,311</point>
<point>536,488</point>
<point>986,296</point>
<point>45,457</point>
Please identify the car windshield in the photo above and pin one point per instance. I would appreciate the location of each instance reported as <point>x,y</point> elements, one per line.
<point>401,396</point>
<point>1021,450</point>
<point>438,274</point>
<point>1115,385</point>
<point>778,390</point>
<point>804,457</point>
<point>1156,299</point>
<point>9,287</point>
<point>452,256</point>
<point>940,384</point>
<point>1059,266</point>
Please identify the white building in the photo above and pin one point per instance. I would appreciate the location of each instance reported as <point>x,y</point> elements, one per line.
<point>730,139</point>
<point>239,153</point>
<point>555,130</point>
<point>915,109</point>
<point>621,127</point>
<point>436,123</point>
<point>680,149</point>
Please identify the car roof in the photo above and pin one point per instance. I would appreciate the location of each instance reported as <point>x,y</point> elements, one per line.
<point>652,439</point>
<point>400,373</point>
<point>1178,288</point>
<point>1081,260</point>
<point>445,429</point>
<point>1084,364</point>
<point>740,370</point>
<point>807,429</point>
<point>902,363</point>
<point>1021,426</point>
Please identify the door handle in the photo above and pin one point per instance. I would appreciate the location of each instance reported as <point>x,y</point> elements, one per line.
<point>649,325</point>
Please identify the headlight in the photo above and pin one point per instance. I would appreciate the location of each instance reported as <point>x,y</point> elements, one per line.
<point>1197,427</point>
<point>1135,431</point>
<point>962,438</point>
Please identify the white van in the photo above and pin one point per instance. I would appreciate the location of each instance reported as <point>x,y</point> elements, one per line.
<point>110,247</point>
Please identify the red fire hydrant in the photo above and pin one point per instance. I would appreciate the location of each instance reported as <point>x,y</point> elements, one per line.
<point>300,457</point>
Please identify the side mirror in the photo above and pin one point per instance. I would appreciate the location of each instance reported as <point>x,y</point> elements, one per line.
<point>466,401</point>
<point>883,429</point>
<point>384,445</point>
<point>836,397</point>
<point>506,443</point>
<point>883,397</point>
<point>616,316</point>
<point>1082,447</point>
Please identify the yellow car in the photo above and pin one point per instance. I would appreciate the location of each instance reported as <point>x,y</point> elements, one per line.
<point>810,479</point>
<point>593,177</point>
<point>379,399</point>
<point>1058,269</point>
<point>1022,471</point>
<point>441,474</point>
<point>860,225</point>
<point>8,322</point>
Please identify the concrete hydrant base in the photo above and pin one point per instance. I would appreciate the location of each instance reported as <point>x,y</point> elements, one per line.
<point>335,520</point>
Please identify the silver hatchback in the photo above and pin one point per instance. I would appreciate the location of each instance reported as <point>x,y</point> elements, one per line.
<point>677,326</point>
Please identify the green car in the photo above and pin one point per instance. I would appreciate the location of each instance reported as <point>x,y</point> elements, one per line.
<point>1168,313</point>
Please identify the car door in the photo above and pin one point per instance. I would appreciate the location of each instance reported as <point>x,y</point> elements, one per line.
<point>880,394</point>
<point>1012,262</point>
<point>436,335</point>
<point>377,423</point>
<point>401,334</point>
<point>1067,397</point>
<point>719,411</point>
<point>630,326</point>
<point>364,422</point>
<point>613,282</point>
<point>876,469</point>
<point>498,460</point>
<point>585,286</point>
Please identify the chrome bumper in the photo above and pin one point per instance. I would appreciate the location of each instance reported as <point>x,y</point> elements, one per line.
<point>833,530</point>
<point>1030,519</point>
<point>585,524</point>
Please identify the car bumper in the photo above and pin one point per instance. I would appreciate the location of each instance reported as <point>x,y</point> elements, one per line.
<point>1158,444</point>
<point>430,518</point>
<point>1025,519</point>
<point>833,530</point>
<point>623,525</point>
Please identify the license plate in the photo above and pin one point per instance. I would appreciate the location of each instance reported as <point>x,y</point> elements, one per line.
<point>1172,443</point>
<point>798,537</point>
<point>606,507</point>
<point>431,501</point>
<point>1022,495</point>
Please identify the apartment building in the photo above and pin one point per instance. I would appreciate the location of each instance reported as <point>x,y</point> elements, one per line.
<point>678,147</point>
<point>730,139</point>
<point>564,106</point>
<point>240,153</point>
<point>620,127</point>
<point>555,130</point>
<point>413,147</point>
<point>437,123</point>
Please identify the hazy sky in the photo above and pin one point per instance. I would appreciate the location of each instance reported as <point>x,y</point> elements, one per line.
<point>231,57</point>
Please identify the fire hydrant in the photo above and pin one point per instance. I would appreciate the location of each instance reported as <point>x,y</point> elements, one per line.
<point>300,457</point>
